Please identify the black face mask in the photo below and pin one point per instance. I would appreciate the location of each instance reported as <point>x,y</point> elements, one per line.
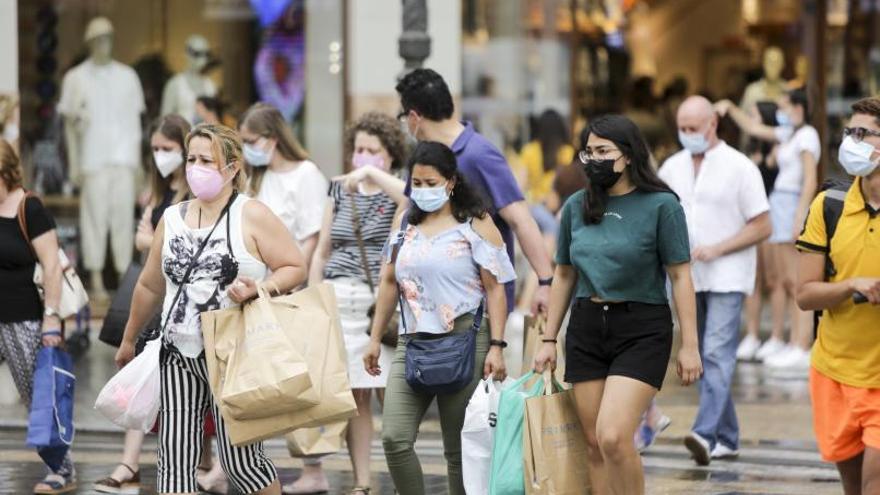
<point>601,173</point>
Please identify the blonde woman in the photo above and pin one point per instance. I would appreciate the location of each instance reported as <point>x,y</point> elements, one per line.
<point>282,177</point>
<point>214,250</point>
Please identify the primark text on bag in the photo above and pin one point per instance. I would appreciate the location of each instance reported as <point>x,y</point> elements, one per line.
<point>554,448</point>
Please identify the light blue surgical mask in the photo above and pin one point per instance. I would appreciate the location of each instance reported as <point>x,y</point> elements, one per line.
<point>255,156</point>
<point>855,157</point>
<point>429,199</point>
<point>695,143</point>
<point>783,119</point>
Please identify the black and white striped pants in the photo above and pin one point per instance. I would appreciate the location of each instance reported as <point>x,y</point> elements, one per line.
<point>186,396</point>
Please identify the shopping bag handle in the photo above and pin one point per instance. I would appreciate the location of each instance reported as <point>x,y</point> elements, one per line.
<point>551,386</point>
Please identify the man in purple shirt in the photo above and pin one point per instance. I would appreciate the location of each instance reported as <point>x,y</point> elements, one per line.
<point>427,111</point>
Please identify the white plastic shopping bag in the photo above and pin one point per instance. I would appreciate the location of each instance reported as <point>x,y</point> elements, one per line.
<point>478,433</point>
<point>131,399</point>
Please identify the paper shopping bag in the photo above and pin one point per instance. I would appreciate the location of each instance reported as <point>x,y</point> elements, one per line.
<point>321,440</point>
<point>321,346</point>
<point>554,449</point>
<point>266,373</point>
<point>534,332</point>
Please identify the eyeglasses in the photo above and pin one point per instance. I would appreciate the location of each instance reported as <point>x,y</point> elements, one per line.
<point>859,133</point>
<point>599,153</point>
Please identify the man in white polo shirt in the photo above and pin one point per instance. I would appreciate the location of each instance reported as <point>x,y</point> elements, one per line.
<point>727,215</point>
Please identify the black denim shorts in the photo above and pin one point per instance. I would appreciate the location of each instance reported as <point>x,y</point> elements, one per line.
<point>628,339</point>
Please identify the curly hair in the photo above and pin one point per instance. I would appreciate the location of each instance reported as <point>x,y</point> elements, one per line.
<point>386,129</point>
<point>10,166</point>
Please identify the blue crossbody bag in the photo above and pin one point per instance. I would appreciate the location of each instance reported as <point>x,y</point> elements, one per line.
<point>437,364</point>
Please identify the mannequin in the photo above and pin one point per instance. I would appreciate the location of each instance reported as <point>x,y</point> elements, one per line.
<point>182,90</point>
<point>102,102</point>
<point>771,86</point>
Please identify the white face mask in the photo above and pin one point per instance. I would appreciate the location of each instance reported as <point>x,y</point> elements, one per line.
<point>167,161</point>
<point>855,157</point>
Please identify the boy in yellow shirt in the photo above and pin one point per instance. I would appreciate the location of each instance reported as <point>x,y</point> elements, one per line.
<point>839,270</point>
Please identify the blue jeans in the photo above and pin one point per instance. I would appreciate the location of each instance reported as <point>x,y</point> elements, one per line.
<point>718,321</point>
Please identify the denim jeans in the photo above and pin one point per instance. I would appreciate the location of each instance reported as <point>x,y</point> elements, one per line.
<point>718,321</point>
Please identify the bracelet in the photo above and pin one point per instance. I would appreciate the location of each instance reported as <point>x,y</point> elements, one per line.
<point>51,333</point>
<point>545,282</point>
<point>500,343</point>
<point>548,341</point>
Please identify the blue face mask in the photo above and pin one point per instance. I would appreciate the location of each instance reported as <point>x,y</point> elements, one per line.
<point>783,119</point>
<point>695,143</point>
<point>256,157</point>
<point>429,199</point>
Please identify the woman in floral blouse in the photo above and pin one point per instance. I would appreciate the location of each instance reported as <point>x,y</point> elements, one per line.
<point>450,260</point>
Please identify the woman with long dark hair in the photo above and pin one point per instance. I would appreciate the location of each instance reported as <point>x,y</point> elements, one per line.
<point>619,239</point>
<point>445,266</point>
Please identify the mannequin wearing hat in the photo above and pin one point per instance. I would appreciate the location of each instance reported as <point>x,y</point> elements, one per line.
<point>182,90</point>
<point>771,86</point>
<point>102,102</point>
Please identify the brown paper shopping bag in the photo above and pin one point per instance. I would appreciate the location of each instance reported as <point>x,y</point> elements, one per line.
<point>533,333</point>
<point>266,374</point>
<point>554,450</point>
<point>321,440</point>
<point>321,346</point>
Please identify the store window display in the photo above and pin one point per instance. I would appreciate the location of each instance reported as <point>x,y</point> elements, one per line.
<point>184,89</point>
<point>770,87</point>
<point>102,102</point>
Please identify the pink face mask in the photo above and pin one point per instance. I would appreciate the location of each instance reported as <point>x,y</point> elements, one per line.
<point>367,160</point>
<point>205,182</point>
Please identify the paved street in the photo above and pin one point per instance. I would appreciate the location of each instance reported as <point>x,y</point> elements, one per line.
<point>778,454</point>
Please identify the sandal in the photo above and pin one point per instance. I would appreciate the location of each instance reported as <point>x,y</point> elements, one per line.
<point>360,490</point>
<point>131,486</point>
<point>55,483</point>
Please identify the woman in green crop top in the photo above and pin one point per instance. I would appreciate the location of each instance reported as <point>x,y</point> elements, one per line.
<point>619,239</point>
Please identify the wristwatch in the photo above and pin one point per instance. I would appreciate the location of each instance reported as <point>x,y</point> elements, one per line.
<point>500,343</point>
<point>545,281</point>
<point>50,311</point>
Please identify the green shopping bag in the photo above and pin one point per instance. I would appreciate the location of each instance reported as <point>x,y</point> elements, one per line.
<point>507,476</point>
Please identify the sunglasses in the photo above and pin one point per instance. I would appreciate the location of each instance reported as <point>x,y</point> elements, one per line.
<point>859,133</point>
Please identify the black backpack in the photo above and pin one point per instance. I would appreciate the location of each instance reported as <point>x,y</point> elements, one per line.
<point>832,208</point>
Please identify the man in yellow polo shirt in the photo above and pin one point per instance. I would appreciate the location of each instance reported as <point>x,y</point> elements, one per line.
<point>845,364</point>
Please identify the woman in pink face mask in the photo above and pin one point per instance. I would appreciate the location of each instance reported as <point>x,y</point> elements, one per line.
<point>207,254</point>
<point>364,200</point>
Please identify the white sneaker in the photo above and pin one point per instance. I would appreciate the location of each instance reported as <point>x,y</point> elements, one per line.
<point>793,359</point>
<point>770,347</point>
<point>748,347</point>
<point>699,448</point>
<point>722,451</point>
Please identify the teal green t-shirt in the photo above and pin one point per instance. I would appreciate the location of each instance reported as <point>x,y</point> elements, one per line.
<point>623,258</point>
